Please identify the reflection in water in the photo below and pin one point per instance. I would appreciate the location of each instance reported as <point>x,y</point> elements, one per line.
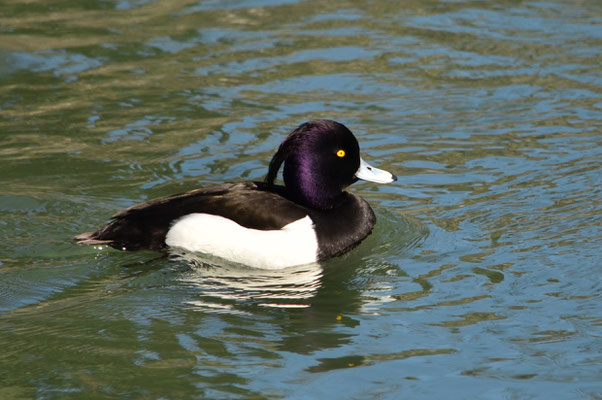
<point>221,284</point>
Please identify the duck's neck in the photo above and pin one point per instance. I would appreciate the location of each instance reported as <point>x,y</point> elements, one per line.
<point>311,188</point>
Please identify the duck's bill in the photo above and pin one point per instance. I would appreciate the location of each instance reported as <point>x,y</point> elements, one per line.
<point>367,172</point>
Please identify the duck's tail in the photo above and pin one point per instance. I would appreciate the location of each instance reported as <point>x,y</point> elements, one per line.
<point>90,239</point>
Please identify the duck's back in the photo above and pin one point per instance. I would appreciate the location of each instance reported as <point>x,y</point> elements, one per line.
<point>146,225</point>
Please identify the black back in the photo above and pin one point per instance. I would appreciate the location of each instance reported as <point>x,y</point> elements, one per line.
<point>145,225</point>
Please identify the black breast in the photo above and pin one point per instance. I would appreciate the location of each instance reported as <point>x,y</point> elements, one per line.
<point>342,228</point>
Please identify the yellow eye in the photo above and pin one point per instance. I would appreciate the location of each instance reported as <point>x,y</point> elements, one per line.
<point>341,153</point>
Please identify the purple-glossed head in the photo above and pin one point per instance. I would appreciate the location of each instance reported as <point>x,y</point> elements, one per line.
<point>321,158</point>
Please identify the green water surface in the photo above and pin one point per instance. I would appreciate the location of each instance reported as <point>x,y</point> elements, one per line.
<point>482,279</point>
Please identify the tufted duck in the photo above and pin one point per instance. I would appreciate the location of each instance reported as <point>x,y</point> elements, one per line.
<point>260,224</point>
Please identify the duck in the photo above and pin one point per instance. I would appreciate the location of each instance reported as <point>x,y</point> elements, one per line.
<point>309,219</point>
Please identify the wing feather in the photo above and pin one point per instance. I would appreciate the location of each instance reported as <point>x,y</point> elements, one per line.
<point>145,225</point>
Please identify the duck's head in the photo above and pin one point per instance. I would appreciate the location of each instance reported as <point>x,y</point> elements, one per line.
<point>321,158</point>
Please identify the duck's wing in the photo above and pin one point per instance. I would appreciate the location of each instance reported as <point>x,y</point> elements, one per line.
<point>145,225</point>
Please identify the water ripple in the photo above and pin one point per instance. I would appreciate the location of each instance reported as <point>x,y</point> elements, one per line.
<point>481,269</point>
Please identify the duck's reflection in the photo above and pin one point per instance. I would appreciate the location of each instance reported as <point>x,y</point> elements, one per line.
<point>223,285</point>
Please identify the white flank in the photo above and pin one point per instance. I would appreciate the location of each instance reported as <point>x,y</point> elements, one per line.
<point>294,244</point>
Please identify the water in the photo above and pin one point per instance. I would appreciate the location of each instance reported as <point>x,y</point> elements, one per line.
<point>481,279</point>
